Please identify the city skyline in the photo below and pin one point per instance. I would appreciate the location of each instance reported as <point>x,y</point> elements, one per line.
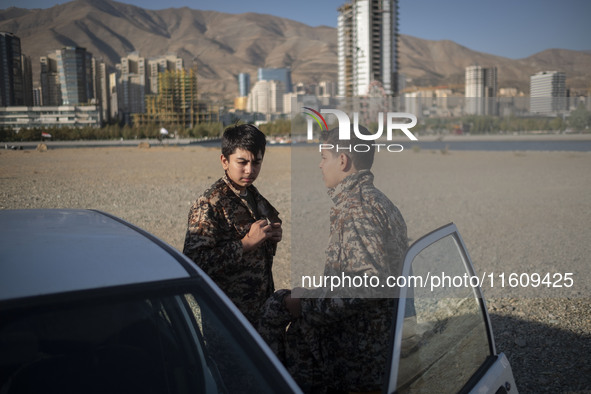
<point>503,27</point>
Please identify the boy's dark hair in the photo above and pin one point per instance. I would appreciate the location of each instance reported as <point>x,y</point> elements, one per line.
<point>243,136</point>
<point>362,157</point>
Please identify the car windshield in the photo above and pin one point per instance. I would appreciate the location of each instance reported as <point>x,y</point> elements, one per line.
<point>158,344</point>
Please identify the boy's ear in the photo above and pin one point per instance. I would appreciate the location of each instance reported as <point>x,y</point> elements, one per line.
<point>345,162</point>
<point>225,162</point>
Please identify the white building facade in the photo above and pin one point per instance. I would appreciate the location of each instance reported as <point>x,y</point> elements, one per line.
<point>266,97</point>
<point>548,94</point>
<point>481,90</point>
<point>50,116</point>
<point>367,47</point>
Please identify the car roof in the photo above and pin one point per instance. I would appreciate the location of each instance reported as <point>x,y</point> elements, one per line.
<point>51,251</point>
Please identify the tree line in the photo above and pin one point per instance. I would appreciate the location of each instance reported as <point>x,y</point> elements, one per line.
<point>110,132</point>
<point>579,120</point>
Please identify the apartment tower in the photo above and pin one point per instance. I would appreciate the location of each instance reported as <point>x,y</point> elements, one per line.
<point>131,87</point>
<point>367,47</point>
<point>481,90</point>
<point>547,92</point>
<point>266,97</point>
<point>159,65</point>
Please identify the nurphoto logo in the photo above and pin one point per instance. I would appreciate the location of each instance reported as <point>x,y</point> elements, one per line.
<point>394,121</point>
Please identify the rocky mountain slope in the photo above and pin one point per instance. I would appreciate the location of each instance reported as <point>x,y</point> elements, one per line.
<point>222,45</point>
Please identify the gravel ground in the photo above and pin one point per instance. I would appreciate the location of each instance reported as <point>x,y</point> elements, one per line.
<point>517,212</point>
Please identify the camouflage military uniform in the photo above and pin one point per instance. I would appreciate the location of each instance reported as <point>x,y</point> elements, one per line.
<point>342,343</point>
<point>218,221</point>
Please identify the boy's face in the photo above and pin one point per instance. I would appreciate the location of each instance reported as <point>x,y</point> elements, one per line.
<point>331,166</point>
<point>242,167</point>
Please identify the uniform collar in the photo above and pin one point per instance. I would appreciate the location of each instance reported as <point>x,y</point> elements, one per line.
<point>232,186</point>
<point>361,176</point>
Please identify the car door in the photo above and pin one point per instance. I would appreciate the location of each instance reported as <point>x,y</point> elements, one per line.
<point>443,341</point>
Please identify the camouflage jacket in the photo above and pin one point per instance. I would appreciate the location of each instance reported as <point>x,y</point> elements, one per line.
<point>367,236</point>
<point>218,220</point>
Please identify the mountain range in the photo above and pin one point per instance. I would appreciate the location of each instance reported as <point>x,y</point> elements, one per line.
<point>223,45</point>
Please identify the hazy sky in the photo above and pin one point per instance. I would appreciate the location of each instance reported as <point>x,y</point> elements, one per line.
<point>510,28</point>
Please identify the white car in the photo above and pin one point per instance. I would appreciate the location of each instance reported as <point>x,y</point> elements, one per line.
<point>92,304</point>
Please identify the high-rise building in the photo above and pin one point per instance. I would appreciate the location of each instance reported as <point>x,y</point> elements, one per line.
<point>131,85</point>
<point>161,64</point>
<point>74,66</point>
<point>139,77</point>
<point>37,97</point>
<point>51,93</point>
<point>176,102</point>
<point>367,47</point>
<point>481,90</point>
<point>11,71</point>
<point>101,87</point>
<point>548,94</point>
<point>113,95</point>
<point>67,77</point>
<point>243,84</point>
<point>28,99</point>
<point>266,97</point>
<point>277,74</point>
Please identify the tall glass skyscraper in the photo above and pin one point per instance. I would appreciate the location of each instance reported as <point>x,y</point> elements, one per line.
<point>243,84</point>
<point>74,66</point>
<point>277,74</point>
<point>69,77</point>
<point>367,47</point>
<point>11,75</point>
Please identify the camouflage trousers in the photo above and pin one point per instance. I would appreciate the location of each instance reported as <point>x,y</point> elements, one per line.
<point>346,356</point>
<point>295,343</point>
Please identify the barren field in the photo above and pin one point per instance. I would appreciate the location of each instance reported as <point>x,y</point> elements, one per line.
<point>521,212</point>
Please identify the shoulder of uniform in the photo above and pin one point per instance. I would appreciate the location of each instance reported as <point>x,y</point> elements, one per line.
<point>218,193</point>
<point>216,188</point>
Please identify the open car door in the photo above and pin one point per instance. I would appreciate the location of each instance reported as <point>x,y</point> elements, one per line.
<point>443,341</point>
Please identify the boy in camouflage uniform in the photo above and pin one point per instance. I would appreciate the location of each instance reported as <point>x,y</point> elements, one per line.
<point>339,341</point>
<point>232,229</point>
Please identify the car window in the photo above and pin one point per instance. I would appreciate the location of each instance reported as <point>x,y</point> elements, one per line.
<point>157,344</point>
<point>231,365</point>
<point>124,346</point>
<point>444,337</point>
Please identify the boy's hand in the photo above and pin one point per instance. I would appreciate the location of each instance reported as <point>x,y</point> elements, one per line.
<point>258,233</point>
<point>276,232</point>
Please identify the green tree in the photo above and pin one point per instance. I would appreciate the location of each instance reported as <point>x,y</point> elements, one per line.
<point>7,135</point>
<point>580,119</point>
<point>557,124</point>
<point>277,127</point>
